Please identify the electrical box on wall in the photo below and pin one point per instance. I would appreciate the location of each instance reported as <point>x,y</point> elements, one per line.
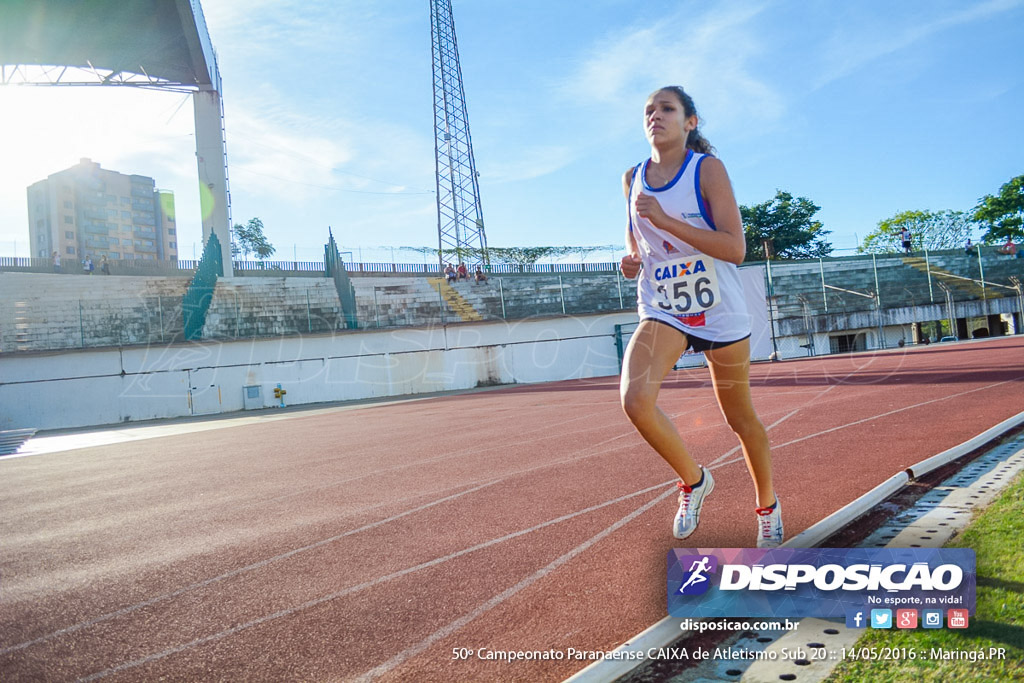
<point>252,397</point>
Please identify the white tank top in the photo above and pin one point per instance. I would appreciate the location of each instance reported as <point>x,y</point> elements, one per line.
<point>661,252</point>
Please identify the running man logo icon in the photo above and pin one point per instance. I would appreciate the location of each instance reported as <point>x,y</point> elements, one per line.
<point>696,581</point>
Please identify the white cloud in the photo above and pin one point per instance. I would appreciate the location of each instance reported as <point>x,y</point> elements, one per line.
<point>856,44</point>
<point>528,163</point>
<point>278,143</point>
<point>280,32</point>
<point>711,54</point>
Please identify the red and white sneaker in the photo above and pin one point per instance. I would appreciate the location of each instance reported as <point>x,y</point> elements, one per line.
<point>769,526</point>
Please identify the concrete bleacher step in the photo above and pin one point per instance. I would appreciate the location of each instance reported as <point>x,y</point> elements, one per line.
<point>13,439</point>
<point>902,281</point>
<point>41,311</point>
<point>949,279</point>
<point>391,302</point>
<point>272,306</point>
<point>49,311</point>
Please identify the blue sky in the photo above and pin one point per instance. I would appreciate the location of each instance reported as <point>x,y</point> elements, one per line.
<point>867,108</point>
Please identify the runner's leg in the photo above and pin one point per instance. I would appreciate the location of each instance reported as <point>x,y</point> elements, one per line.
<point>730,374</point>
<point>652,351</point>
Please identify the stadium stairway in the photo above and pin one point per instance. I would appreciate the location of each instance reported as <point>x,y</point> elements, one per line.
<point>456,301</point>
<point>951,280</point>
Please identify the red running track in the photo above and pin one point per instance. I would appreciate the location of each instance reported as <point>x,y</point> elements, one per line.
<point>368,543</point>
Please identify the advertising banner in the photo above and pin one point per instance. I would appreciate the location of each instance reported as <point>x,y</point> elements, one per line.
<point>818,582</point>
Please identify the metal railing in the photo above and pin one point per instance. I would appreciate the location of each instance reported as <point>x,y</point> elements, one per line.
<point>140,266</point>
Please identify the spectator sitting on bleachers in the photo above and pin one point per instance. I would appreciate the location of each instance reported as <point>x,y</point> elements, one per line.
<point>463,271</point>
<point>1009,248</point>
<point>479,276</point>
<point>449,273</point>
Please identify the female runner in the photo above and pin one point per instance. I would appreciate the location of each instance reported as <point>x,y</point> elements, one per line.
<point>684,240</point>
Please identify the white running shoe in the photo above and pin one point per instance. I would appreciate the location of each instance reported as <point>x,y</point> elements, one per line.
<point>690,501</point>
<point>769,526</point>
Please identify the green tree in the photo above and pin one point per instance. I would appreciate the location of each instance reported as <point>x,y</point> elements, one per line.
<point>524,256</point>
<point>251,240</point>
<point>789,224</point>
<point>1003,213</point>
<point>521,256</point>
<point>928,230</point>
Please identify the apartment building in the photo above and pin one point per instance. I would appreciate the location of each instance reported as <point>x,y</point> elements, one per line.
<point>86,211</point>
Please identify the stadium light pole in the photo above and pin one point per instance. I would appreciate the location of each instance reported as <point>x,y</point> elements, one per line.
<point>460,218</point>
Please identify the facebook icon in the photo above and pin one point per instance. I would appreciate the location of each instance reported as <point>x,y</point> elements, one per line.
<point>856,618</point>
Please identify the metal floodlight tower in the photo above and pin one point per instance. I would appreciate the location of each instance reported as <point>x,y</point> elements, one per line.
<point>460,219</point>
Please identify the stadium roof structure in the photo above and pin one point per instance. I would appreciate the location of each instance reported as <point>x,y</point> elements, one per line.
<point>156,44</point>
<point>161,44</point>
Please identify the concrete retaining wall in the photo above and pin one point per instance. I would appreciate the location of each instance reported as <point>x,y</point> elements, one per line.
<point>77,388</point>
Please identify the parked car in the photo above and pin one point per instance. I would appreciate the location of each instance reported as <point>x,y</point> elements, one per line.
<point>946,339</point>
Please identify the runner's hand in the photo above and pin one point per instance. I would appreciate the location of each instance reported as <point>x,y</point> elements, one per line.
<point>630,266</point>
<point>649,208</point>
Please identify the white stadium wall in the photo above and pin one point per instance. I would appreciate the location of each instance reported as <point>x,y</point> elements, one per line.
<point>56,390</point>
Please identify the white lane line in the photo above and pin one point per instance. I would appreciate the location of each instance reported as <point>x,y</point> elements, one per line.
<point>262,563</point>
<point>58,442</point>
<point>598,670</point>
<point>454,626</point>
<point>469,452</point>
<point>894,411</point>
<point>374,582</point>
<point>375,524</point>
<point>541,573</point>
<point>719,460</point>
<point>241,570</point>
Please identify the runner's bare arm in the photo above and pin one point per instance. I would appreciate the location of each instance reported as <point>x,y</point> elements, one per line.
<point>630,264</point>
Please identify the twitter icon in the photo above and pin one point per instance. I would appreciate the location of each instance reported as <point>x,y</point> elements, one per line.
<point>881,618</point>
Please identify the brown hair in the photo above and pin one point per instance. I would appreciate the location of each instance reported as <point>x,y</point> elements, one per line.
<point>695,141</point>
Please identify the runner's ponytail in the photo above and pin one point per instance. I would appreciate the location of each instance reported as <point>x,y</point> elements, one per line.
<point>696,141</point>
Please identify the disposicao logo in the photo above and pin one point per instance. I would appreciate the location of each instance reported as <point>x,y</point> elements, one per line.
<point>697,579</point>
<point>831,577</point>
<point>821,582</point>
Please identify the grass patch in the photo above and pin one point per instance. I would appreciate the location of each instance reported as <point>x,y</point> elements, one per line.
<point>997,537</point>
